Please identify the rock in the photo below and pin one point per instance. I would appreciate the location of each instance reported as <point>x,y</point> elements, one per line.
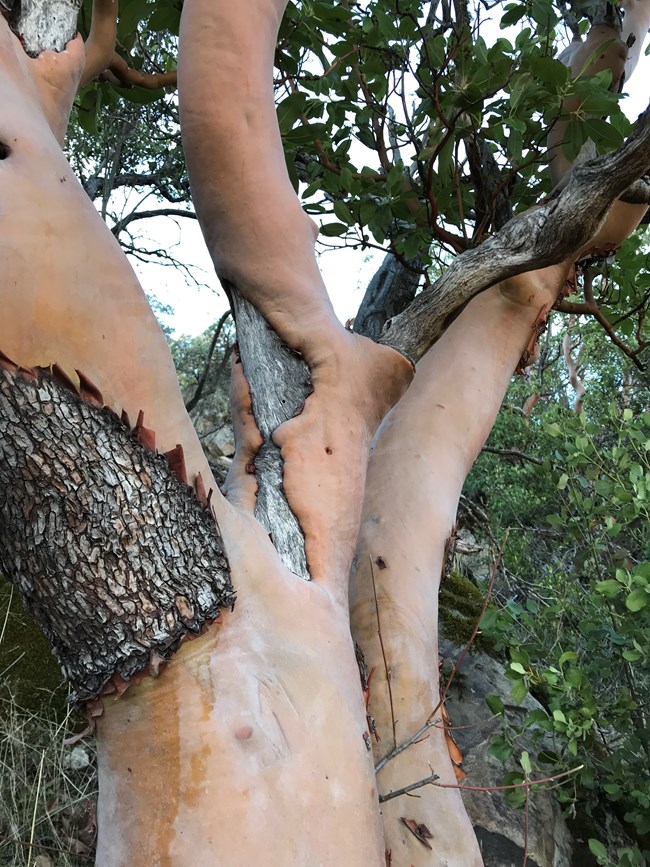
<point>77,760</point>
<point>500,828</point>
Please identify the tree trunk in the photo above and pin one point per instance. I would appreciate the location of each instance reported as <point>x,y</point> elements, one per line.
<point>248,743</point>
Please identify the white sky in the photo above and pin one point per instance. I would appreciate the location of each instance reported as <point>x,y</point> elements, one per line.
<point>346,272</point>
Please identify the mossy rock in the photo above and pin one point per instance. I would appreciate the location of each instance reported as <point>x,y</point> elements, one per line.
<point>460,606</point>
<point>28,670</point>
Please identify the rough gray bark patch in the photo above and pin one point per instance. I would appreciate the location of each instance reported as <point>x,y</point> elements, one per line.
<point>116,559</point>
<point>279,382</point>
<point>390,291</point>
<point>43,25</point>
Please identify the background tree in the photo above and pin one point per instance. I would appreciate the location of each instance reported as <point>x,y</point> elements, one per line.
<point>266,703</point>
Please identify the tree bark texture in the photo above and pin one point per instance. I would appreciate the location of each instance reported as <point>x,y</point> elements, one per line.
<point>116,558</point>
<point>279,382</point>
<point>43,26</point>
<point>390,291</point>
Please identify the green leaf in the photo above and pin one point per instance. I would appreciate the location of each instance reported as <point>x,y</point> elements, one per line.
<point>343,212</point>
<point>519,691</point>
<point>637,599</point>
<point>553,430</point>
<point>597,849</point>
<point>609,588</point>
<point>331,230</point>
<point>290,110</point>
<point>495,704</point>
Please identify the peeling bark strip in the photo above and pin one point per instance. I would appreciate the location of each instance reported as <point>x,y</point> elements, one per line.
<point>116,558</point>
<point>279,382</point>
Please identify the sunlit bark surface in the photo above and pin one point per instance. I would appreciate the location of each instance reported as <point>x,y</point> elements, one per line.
<point>251,746</point>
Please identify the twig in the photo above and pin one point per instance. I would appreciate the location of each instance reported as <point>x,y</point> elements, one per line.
<point>395,793</point>
<point>16,841</point>
<point>383,653</point>
<point>192,402</point>
<point>525,785</point>
<point>526,828</point>
<point>38,792</point>
<point>432,723</point>
<point>512,453</point>
<point>470,641</point>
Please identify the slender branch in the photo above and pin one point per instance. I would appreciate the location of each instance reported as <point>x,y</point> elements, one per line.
<point>525,785</point>
<point>395,793</point>
<point>196,397</point>
<point>383,653</point>
<point>470,640</point>
<point>129,77</point>
<point>120,225</point>
<point>100,45</point>
<point>513,453</point>
<point>414,739</point>
<point>533,240</point>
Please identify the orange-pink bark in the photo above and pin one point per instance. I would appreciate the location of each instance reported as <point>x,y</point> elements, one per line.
<point>424,450</point>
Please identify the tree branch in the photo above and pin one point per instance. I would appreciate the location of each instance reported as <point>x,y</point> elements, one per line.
<point>196,397</point>
<point>120,225</point>
<point>129,77</point>
<point>100,45</point>
<point>543,236</point>
<point>513,453</point>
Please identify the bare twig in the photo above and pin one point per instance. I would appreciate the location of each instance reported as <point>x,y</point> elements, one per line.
<point>512,453</point>
<point>525,785</point>
<point>470,641</point>
<point>383,653</point>
<point>395,793</point>
<point>196,397</point>
<point>414,739</point>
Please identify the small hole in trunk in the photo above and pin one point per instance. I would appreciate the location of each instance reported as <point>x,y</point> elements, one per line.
<point>4,151</point>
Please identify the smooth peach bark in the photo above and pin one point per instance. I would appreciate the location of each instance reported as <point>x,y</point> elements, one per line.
<point>250,748</point>
<point>282,664</point>
<point>263,243</point>
<point>69,295</point>
<point>424,450</point>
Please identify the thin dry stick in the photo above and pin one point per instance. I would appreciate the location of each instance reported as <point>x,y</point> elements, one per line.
<point>470,641</point>
<point>474,725</point>
<point>4,624</point>
<point>432,779</point>
<point>526,828</point>
<point>430,723</point>
<point>414,739</point>
<point>38,792</point>
<point>397,792</point>
<point>383,653</point>
<point>16,841</point>
<point>525,785</point>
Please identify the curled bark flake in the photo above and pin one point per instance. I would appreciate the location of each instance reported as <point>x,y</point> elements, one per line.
<point>116,559</point>
<point>419,830</point>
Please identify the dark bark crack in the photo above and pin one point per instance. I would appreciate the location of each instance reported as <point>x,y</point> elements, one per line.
<point>114,556</point>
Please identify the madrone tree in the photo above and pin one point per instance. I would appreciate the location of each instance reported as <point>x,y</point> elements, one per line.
<point>250,743</point>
